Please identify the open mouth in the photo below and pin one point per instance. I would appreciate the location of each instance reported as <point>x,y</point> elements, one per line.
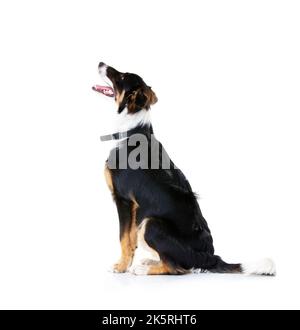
<point>106,90</point>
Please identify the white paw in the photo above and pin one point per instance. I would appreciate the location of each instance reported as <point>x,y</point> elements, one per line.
<point>139,269</point>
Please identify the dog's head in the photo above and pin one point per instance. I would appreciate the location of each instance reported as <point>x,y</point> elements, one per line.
<point>129,90</point>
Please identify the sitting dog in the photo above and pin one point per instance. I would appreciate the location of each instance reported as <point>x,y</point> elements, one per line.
<point>154,200</point>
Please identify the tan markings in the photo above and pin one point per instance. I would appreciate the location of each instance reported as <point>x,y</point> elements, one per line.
<point>162,268</point>
<point>108,178</point>
<point>120,97</point>
<point>159,269</point>
<point>131,106</point>
<point>128,242</point>
<point>133,227</point>
<point>126,254</point>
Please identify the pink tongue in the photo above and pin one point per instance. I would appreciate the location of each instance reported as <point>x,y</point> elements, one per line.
<point>106,90</point>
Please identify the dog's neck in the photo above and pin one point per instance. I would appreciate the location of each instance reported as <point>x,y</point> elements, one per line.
<point>126,121</point>
<point>145,130</point>
<point>128,125</point>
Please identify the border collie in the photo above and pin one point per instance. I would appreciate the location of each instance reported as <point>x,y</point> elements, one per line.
<point>155,202</point>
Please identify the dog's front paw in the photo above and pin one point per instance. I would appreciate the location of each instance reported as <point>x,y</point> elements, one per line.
<point>119,268</point>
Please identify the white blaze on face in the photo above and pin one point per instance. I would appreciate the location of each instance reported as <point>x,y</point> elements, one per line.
<point>103,74</point>
<point>102,70</point>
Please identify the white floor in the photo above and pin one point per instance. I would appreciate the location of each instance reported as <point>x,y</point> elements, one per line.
<point>89,285</point>
<point>205,291</point>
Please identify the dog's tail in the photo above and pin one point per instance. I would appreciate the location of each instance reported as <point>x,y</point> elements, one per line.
<point>262,267</point>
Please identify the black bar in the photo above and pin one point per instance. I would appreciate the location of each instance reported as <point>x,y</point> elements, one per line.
<point>125,319</point>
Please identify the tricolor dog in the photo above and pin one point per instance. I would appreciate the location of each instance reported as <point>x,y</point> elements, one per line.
<point>155,202</point>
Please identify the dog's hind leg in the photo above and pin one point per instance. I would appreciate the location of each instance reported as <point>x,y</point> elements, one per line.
<point>176,255</point>
<point>156,238</point>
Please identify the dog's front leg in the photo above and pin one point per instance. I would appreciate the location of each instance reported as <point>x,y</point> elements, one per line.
<point>128,233</point>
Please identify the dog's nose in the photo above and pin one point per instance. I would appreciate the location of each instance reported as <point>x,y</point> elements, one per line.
<point>101,64</point>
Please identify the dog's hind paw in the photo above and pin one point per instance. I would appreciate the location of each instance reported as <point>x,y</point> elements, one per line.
<point>149,262</point>
<point>139,270</point>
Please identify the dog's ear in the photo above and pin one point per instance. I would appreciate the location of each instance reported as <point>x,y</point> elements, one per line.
<point>151,97</point>
<point>142,98</point>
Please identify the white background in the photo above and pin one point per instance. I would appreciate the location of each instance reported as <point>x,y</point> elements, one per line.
<point>227,77</point>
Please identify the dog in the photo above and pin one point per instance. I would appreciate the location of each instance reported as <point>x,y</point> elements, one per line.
<point>155,202</point>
